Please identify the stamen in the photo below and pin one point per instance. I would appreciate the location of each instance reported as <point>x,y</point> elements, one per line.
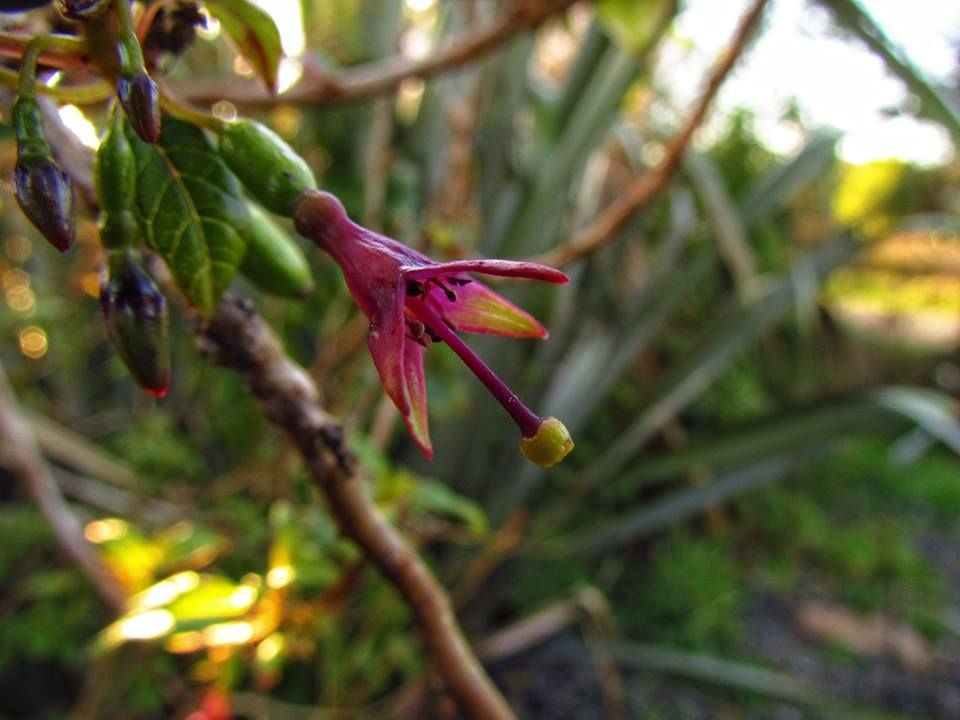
<point>528,422</point>
<point>414,288</point>
<point>451,295</point>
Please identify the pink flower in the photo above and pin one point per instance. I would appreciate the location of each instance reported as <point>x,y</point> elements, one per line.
<point>412,301</point>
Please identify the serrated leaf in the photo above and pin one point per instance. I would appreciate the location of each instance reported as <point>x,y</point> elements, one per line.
<point>191,210</point>
<point>254,33</point>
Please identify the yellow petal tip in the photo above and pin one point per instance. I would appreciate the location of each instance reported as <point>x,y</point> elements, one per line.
<point>549,445</point>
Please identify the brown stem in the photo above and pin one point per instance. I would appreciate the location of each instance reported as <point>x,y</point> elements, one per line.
<point>69,54</point>
<point>320,86</point>
<point>20,456</point>
<point>645,189</point>
<point>237,338</point>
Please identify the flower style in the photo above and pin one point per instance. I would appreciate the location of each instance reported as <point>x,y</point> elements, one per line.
<point>412,301</point>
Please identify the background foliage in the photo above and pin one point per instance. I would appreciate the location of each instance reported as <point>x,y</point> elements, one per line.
<point>759,518</point>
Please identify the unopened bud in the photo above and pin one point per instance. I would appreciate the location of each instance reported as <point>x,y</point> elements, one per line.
<point>82,9</point>
<point>135,314</point>
<point>140,98</point>
<point>268,168</point>
<point>46,198</point>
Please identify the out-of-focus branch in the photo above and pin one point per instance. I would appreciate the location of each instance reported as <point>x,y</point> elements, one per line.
<point>321,86</point>
<point>67,54</point>
<point>645,189</point>
<point>237,338</point>
<point>70,448</point>
<point>20,456</point>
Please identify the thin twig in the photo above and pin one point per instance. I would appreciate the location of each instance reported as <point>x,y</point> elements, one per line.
<point>69,53</point>
<point>21,457</point>
<point>236,337</point>
<point>645,189</point>
<point>321,86</point>
<point>72,449</point>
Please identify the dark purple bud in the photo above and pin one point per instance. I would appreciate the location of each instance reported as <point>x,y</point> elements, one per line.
<point>46,198</point>
<point>140,99</point>
<point>15,6</point>
<point>135,313</point>
<point>82,9</point>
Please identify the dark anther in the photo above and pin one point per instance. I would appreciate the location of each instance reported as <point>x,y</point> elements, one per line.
<point>419,333</point>
<point>414,288</point>
<point>451,295</point>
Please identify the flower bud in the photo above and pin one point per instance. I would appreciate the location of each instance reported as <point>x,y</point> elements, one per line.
<point>549,445</point>
<point>46,198</point>
<point>43,189</point>
<point>16,6</point>
<point>267,166</point>
<point>135,314</point>
<point>115,169</point>
<point>273,261</point>
<point>82,10</point>
<point>140,98</point>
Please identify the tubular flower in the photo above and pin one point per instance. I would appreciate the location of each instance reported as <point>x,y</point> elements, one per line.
<point>412,301</point>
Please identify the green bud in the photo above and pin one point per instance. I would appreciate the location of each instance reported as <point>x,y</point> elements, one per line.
<point>115,169</point>
<point>119,230</point>
<point>273,260</point>
<point>269,168</point>
<point>135,314</point>
<point>549,445</point>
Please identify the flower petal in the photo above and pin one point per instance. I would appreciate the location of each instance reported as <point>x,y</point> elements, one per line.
<point>502,268</point>
<point>399,362</point>
<point>415,386</point>
<point>386,342</point>
<point>478,309</point>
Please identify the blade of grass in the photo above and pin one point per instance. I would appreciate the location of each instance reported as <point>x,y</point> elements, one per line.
<point>777,186</point>
<point>673,509</point>
<point>852,15</point>
<point>723,218</point>
<point>725,339</point>
<point>769,436</point>
<point>931,410</point>
<point>747,677</point>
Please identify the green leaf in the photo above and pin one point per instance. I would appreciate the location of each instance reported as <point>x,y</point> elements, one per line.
<point>254,33</point>
<point>934,103</point>
<point>633,23</point>
<point>191,209</point>
<point>724,337</point>
<point>744,677</point>
<point>437,499</point>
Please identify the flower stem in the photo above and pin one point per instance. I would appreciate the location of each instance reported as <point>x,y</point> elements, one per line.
<point>31,56</point>
<point>185,112</point>
<point>527,420</point>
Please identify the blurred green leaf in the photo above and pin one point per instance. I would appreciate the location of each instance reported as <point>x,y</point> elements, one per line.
<point>736,675</point>
<point>633,22</point>
<point>775,188</point>
<point>853,16</point>
<point>437,499</point>
<point>933,411</point>
<point>725,338</point>
<point>253,31</point>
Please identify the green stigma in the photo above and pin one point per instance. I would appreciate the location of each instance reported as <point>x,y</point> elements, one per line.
<point>549,445</point>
